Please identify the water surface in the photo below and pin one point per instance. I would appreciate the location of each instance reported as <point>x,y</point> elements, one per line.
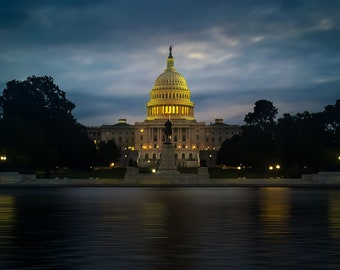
<point>169,228</point>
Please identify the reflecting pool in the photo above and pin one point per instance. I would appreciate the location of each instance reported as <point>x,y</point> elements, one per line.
<point>169,228</point>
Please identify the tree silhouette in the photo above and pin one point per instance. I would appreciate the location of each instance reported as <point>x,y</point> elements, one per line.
<point>301,143</point>
<point>263,116</point>
<point>107,152</point>
<point>38,128</point>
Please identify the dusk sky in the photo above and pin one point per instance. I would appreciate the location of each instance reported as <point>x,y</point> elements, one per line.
<point>106,55</point>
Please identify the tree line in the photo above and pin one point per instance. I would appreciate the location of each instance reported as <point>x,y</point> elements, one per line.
<point>301,143</point>
<point>39,132</point>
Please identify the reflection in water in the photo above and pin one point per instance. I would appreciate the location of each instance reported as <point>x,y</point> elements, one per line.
<point>334,215</point>
<point>7,220</point>
<point>274,215</point>
<point>169,228</point>
<point>155,220</point>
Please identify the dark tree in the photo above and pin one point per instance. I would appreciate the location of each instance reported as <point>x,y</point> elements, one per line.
<point>107,152</point>
<point>301,143</point>
<point>263,116</point>
<point>256,146</point>
<point>331,117</point>
<point>39,130</point>
<point>36,99</point>
<point>309,141</point>
<point>234,152</point>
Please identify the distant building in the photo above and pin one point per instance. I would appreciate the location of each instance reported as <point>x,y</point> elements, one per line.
<point>195,142</point>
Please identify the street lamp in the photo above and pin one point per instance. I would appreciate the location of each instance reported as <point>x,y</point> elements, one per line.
<point>277,167</point>
<point>3,158</point>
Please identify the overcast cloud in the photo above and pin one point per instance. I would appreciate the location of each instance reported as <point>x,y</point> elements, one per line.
<point>106,55</point>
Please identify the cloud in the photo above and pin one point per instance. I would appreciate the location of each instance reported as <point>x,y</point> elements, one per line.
<point>106,55</point>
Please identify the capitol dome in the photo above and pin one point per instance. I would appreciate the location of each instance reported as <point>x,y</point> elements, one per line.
<point>170,95</point>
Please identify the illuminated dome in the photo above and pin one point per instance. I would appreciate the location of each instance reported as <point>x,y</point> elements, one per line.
<point>170,95</point>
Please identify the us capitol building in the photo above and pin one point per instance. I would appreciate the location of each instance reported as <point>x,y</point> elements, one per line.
<point>195,143</point>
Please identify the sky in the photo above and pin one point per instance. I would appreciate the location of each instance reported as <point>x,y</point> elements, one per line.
<point>106,55</point>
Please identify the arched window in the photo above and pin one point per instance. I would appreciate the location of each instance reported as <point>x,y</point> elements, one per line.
<point>176,156</point>
<point>190,156</point>
<point>154,156</point>
<point>183,156</point>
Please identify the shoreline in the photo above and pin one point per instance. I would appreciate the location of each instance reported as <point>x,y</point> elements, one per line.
<point>105,183</point>
<point>322,179</point>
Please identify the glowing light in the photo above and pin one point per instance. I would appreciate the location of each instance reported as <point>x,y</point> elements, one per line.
<point>7,219</point>
<point>153,170</point>
<point>278,166</point>
<point>275,213</point>
<point>3,158</point>
<point>112,165</point>
<point>271,168</point>
<point>239,167</point>
<point>142,130</point>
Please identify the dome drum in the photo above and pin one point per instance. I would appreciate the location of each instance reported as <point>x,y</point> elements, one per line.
<point>172,111</point>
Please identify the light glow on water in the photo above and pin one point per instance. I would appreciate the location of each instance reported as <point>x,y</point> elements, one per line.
<point>169,228</point>
<point>275,212</point>
<point>334,215</point>
<point>7,220</point>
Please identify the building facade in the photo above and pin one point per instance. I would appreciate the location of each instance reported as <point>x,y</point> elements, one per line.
<point>195,142</point>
